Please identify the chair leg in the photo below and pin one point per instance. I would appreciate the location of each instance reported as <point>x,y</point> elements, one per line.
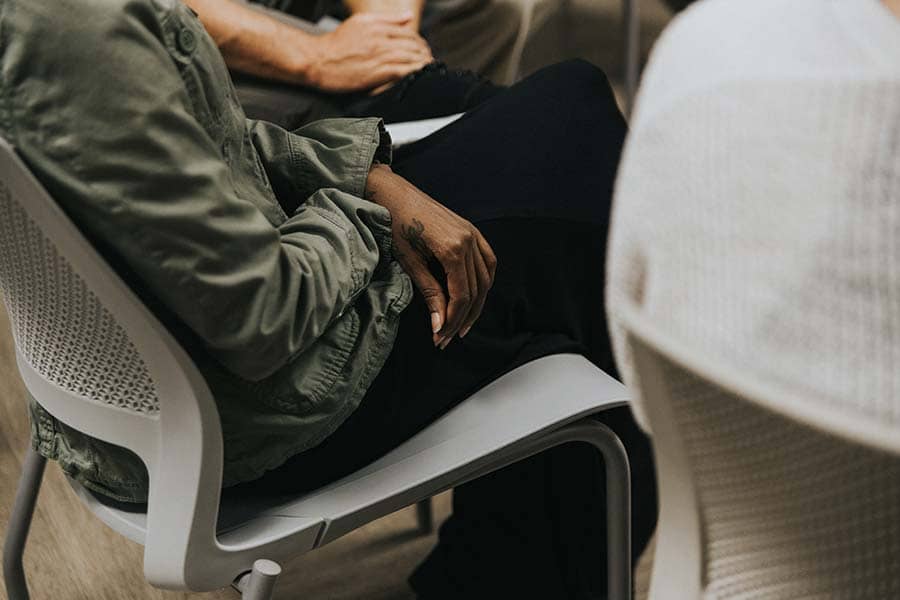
<point>618,510</point>
<point>618,491</point>
<point>260,583</point>
<point>425,516</point>
<point>19,523</point>
<point>631,24</point>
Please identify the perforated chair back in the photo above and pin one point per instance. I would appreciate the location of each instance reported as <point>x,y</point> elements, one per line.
<point>760,501</point>
<point>93,356</point>
<point>62,331</point>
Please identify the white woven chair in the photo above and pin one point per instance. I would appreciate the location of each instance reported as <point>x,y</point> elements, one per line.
<point>763,494</point>
<point>93,356</point>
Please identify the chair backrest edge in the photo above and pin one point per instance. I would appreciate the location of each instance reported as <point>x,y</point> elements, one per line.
<point>182,444</point>
<point>677,572</point>
<point>852,427</point>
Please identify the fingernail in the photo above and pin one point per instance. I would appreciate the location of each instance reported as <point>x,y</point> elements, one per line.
<point>446,343</point>
<point>465,331</point>
<point>435,322</point>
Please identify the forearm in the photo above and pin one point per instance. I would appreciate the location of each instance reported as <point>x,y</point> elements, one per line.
<point>255,43</point>
<point>389,7</point>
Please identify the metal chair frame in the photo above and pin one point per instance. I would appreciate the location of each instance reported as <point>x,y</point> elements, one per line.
<point>631,25</point>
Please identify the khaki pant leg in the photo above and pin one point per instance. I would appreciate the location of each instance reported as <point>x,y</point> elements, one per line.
<point>485,36</point>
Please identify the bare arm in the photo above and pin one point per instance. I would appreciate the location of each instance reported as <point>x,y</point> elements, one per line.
<point>424,230</point>
<point>255,43</point>
<point>364,52</point>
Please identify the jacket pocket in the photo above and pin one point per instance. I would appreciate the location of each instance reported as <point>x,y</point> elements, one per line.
<point>305,385</point>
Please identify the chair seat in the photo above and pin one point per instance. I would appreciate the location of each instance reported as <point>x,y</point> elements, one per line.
<point>413,131</point>
<point>535,398</point>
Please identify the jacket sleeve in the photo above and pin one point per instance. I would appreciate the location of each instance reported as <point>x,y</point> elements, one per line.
<point>331,153</point>
<point>145,181</point>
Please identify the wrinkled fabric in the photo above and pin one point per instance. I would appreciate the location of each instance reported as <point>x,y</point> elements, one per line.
<point>251,243</point>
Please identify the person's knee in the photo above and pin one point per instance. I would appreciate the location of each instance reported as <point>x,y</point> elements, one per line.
<point>579,74</point>
<point>576,83</point>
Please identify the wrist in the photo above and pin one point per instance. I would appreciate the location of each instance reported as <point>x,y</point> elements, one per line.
<point>379,174</point>
<point>305,64</point>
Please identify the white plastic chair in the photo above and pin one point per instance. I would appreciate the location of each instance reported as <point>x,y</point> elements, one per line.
<point>93,356</point>
<point>763,494</point>
<point>412,131</point>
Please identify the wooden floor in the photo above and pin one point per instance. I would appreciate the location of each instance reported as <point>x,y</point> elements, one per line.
<point>72,556</point>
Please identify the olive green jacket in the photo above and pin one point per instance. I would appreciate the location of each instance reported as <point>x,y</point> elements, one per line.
<point>251,243</point>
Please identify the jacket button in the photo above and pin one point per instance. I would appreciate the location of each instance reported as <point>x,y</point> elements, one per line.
<point>187,41</point>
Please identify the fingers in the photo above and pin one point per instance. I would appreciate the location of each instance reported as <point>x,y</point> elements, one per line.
<point>481,277</point>
<point>397,32</point>
<point>433,294</point>
<point>470,269</point>
<point>383,75</point>
<point>381,88</point>
<point>483,282</point>
<point>387,26</point>
<point>460,299</point>
<point>392,71</point>
<point>389,30</point>
<point>386,45</point>
<point>487,253</point>
<point>400,18</point>
<point>407,47</point>
<point>472,274</point>
<point>414,43</point>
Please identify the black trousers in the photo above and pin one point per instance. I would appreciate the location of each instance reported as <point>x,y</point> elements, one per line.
<point>433,91</point>
<point>533,168</point>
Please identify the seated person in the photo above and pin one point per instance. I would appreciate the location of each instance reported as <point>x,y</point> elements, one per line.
<point>289,73</point>
<point>335,298</point>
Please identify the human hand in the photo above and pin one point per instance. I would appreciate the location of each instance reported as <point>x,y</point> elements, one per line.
<point>367,51</point>
<point>425,231</point>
